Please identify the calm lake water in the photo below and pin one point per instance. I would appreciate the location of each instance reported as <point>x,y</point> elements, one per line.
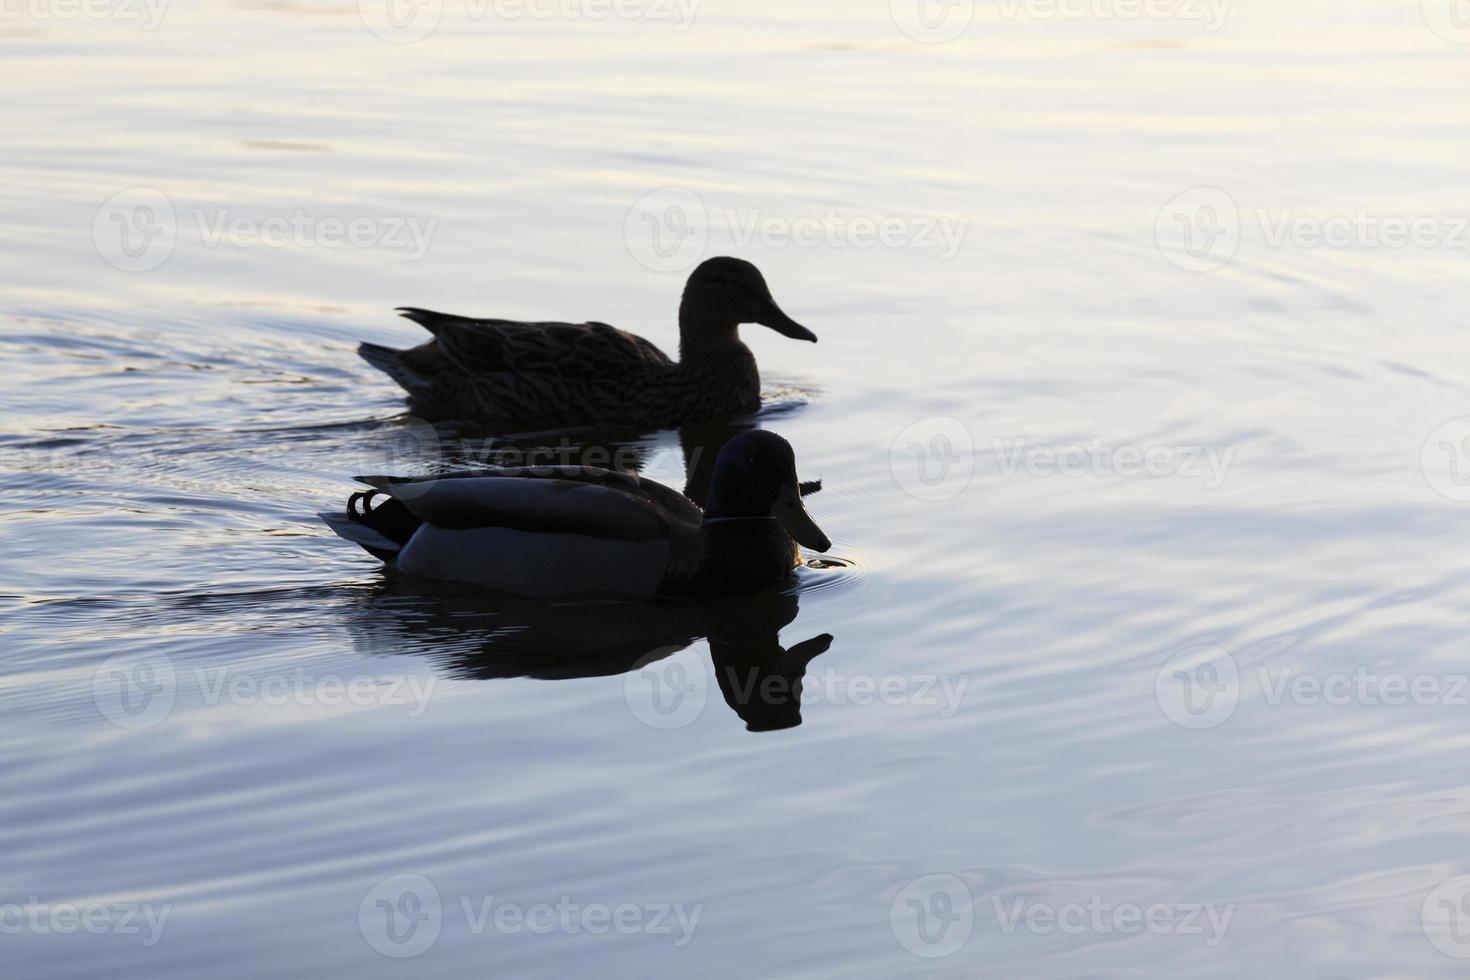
<point>1139,407</point>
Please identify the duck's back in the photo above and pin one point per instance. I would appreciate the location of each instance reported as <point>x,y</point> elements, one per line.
<point>571,350</point>
<point>546,373</point>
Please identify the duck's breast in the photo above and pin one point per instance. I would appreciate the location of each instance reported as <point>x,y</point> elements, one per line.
<point>537,564</point>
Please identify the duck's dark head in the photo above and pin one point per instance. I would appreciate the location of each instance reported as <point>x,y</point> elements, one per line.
<point>722,294</point>
<point>755,476</point>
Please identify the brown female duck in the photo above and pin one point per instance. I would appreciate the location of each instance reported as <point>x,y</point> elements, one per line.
<point>548,374</point>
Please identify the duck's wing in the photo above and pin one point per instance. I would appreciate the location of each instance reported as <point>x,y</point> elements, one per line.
<point>548,500</point>
<point>571,350</point>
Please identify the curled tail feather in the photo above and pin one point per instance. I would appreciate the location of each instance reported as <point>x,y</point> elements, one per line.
<point>381,529</point>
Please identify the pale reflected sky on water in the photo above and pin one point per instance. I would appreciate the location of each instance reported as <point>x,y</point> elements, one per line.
<point>1139,407</point>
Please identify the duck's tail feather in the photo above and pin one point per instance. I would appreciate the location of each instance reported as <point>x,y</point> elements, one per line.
<point>390,362</point>
<point>381,529</point>
<point>430,320</point>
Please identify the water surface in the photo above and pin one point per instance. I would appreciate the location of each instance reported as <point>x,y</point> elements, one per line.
<point>1070,469</point>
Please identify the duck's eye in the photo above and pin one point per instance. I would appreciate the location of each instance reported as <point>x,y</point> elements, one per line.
<point>750,461</point>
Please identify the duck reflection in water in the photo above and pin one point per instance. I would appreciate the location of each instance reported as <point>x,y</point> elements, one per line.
<point>472,634</point>
<point>410,445</point>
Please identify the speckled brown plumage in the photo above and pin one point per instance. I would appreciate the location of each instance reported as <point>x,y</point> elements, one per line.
<point>563,374</point>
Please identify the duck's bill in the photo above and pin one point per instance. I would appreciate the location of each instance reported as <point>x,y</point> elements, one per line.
<point>797,522</point>
<point>784,325</point>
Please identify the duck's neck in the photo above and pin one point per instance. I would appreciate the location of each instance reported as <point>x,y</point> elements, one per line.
<point>718,509</point>
<point>705,331</point>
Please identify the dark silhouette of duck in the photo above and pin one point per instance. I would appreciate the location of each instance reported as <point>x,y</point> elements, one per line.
<point>568,531</point>
<point>561,374</point>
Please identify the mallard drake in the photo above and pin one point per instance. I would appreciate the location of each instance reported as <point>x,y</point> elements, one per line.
<point>549,374</point>
<point>579,530</point>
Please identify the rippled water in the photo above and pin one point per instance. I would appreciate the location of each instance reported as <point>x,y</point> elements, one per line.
<point>1143,645</point>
